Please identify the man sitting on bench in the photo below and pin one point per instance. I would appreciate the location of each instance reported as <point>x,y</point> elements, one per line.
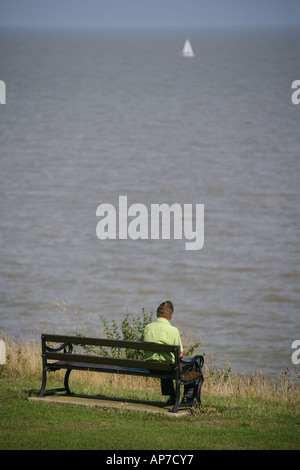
<point>161,331</point>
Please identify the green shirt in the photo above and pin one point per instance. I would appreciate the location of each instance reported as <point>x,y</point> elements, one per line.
<point>162,332</point>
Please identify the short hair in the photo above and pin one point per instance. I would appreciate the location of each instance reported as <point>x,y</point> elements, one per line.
<point>165,310</point>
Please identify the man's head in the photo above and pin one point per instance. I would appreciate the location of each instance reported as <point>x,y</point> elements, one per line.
<point>165,310</point>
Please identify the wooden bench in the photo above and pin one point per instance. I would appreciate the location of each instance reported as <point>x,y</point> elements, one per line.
<point>63,357</point>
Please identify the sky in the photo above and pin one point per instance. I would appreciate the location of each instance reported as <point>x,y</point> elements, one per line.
<point>147,13</point>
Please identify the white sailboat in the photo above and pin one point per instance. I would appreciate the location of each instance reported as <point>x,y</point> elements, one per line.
<point>187,50</point>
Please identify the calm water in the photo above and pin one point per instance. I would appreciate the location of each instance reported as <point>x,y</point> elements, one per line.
<point>94,115</point>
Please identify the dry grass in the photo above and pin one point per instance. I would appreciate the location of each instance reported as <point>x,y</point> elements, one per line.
<point>24,363</point>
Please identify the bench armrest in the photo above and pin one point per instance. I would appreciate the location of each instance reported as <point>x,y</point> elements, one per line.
<point>67,347</point>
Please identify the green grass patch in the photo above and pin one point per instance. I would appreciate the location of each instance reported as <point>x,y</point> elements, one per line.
<point>223,423</point>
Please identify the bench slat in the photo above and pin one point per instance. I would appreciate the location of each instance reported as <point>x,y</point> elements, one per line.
<point>112,369</point>
<point>136,363</point>
<point>110,343</point>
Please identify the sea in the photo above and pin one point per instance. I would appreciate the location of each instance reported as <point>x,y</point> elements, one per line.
<point>92,115</point>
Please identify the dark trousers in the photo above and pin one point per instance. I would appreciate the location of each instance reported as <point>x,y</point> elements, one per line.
<point>190,390</point>
<point>167,388</point>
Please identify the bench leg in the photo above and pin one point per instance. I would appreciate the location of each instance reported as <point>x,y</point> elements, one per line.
<point>48,392</point>
<point>66,383</point>
<point>44,382</point>
<point>175,408</point>
<point>198,394</point>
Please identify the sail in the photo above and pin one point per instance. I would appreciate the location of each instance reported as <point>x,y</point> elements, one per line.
<point>187,50</point>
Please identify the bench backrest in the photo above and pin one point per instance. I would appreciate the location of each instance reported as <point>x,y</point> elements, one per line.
<point>66,343</point>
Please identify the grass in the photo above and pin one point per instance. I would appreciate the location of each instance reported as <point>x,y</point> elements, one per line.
<point>224,423</point>
<point>239,412</point>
